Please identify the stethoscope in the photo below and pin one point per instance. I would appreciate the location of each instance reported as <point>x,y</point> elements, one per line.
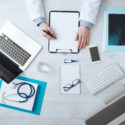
<point>23,95</point>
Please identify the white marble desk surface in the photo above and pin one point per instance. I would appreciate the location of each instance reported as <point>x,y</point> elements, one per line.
<point>58,109</point>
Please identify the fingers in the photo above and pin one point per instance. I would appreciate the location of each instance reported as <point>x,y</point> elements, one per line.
<point>87,43</point>
<point>77,36</point>
<point>48,36</point>
<point>44,26</point>
<point>83,42</point>
<point>80,42</point>
<point>82,36</point>
<point>51,31</point>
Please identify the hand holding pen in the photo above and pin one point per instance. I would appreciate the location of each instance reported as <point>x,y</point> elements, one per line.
<point>47,32</point>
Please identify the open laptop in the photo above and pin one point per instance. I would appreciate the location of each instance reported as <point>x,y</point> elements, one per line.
<point>17,50</point>
<point>114,114</point>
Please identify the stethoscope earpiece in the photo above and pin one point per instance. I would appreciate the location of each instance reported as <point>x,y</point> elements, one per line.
<point>13,85</point>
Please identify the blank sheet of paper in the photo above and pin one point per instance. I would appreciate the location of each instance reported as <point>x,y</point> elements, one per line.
<point>69,73</point>
<point>65,26</point>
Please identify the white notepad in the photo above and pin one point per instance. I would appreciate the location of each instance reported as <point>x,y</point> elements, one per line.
<point>69,73</point>
<point>65,26</point>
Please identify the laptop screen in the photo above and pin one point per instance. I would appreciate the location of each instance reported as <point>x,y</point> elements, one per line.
<point>120,120</point>
<point>115,112</point>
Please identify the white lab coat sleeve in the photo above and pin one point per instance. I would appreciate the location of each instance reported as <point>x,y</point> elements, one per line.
<point>89,10</point>
<point>35,8</point>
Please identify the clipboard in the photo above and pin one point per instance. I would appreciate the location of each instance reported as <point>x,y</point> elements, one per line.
<point>65,25</point>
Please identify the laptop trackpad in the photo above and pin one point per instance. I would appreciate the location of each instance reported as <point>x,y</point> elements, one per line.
<point>5,74</point>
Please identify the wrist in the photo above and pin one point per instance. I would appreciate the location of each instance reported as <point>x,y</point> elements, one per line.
<point>41,24</point>
<point>85,27</point>
<point>39,20</point>
<point>86,24</point>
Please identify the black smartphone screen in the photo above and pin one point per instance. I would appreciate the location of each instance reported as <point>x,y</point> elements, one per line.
<point>94,54</point>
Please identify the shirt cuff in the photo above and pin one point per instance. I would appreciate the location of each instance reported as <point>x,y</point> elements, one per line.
<point>85,23</point>
<point>37,21</point>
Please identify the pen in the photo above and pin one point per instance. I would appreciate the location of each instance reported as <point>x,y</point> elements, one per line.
<point>70,61</point>
<point>47,32</point>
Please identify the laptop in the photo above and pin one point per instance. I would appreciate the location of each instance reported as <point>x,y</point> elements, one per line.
<point>17,51</point>
<point>114,114</point>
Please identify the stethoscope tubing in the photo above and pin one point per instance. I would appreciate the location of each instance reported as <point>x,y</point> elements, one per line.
<point>21,94</point>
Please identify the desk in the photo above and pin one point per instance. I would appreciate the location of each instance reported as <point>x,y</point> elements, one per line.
<point>58,109</point>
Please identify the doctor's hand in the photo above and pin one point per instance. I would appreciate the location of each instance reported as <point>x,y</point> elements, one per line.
<point>83,35</point>
<point>44,26</point>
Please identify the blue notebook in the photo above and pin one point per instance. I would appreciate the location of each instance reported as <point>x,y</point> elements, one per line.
<point>114,30</point>
<point>39,96</point>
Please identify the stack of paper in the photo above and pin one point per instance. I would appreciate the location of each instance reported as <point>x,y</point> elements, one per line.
<point>68,74</point>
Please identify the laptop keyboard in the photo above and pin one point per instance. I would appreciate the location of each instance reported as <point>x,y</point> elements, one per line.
<point>13,50</point>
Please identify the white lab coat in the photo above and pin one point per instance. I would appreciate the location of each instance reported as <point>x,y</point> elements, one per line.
<point>89,9</point>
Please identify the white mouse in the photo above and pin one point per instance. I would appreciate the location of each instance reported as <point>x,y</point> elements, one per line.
<point>43,67</point>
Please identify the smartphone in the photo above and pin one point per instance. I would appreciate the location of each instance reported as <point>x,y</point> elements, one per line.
<point>94,54</point>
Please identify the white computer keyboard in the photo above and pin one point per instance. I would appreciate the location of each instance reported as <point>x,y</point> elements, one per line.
<point>105,78</point>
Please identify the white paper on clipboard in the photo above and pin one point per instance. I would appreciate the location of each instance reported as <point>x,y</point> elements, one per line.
<point>65,26</point>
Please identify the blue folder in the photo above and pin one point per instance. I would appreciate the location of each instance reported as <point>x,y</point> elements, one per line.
<point>107,11</point>
<point>39,96</point>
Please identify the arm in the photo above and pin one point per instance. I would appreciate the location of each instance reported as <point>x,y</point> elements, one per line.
<point>89,10</point>
<point>36,11</point>
<point>35,8</point>
<point>88,15</point>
